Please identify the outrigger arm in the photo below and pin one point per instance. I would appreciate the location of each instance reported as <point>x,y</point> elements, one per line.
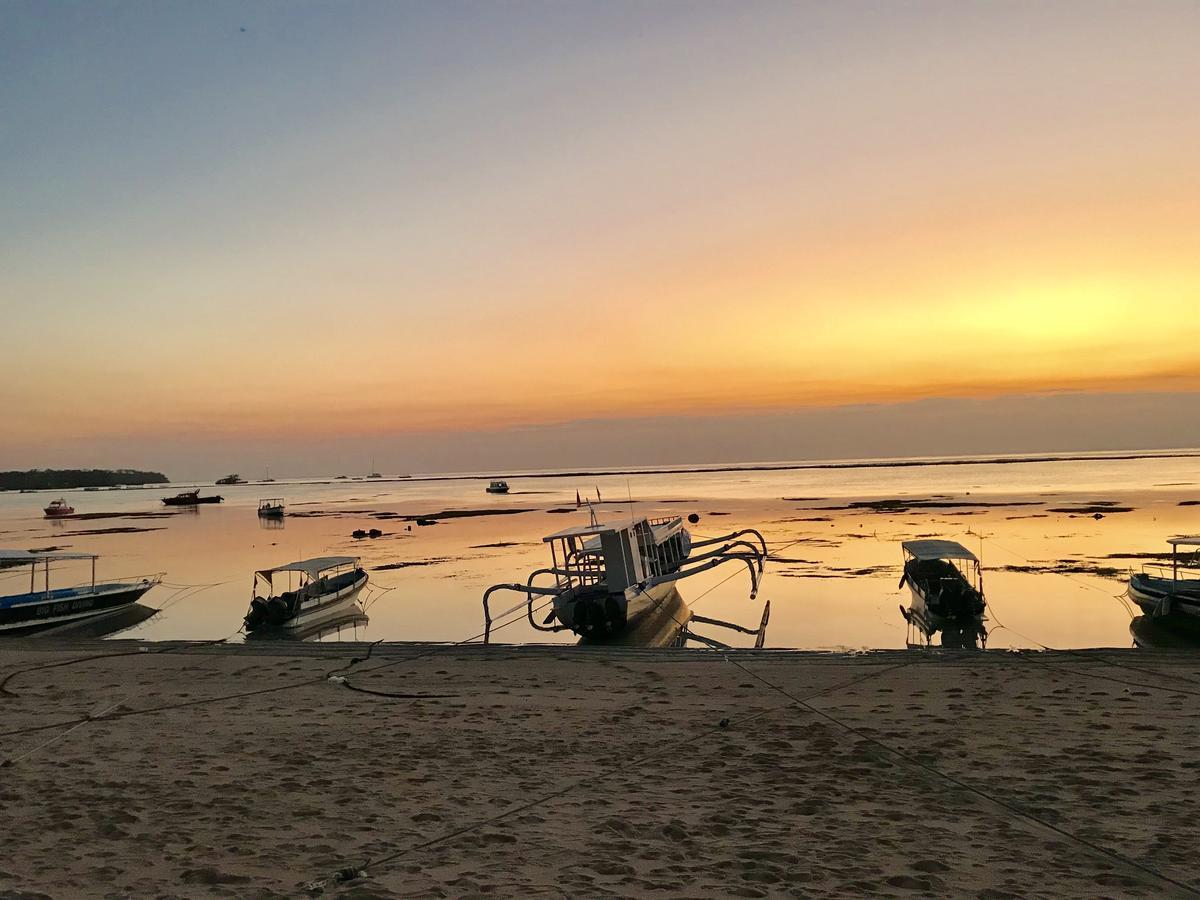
<point>705,566</point>
<point>530,592</point>
<point>751,551</point>
<point>735,534</point>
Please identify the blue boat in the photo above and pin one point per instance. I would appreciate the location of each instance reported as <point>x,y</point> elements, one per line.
<point>42,606</point>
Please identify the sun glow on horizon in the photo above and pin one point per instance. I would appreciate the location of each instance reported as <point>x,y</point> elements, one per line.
<point>709,213</point>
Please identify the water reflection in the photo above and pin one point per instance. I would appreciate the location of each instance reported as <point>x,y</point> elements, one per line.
<point>670,622</point>
<point>1050,568</point>
<point>342,624</point>
<point>271,523</point>
<point>1155,633</point>
<point>95,627</point>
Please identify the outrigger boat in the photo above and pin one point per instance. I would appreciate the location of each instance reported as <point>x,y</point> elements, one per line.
<point>43,606</point>
<point>608,578</point>
<point>324,588</point>
<point>1169,596</point>
<point>946,581</point>
<point>191,498</point>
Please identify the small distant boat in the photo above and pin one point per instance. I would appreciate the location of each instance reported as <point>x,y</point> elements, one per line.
<point>946,581</point>
<point>58,509</point>
<point>191,498</point>
<point>271,509</point>
<point>231,479</point>
<point>374,474</point>
<point>497,487</point>
<point>1168,595</point>
<point>42,607</point>
<point>267,477</point>
<point>608,578</point>
<point>325,586</point>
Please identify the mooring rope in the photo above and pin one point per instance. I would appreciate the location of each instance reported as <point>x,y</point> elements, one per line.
<point>203,701</point>
<point>963,785</point>
<point>694,738</point>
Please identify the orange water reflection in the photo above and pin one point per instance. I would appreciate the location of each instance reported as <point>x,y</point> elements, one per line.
<point>834,584</point>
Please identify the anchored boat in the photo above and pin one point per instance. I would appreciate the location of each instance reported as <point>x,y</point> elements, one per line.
<point>946,581</point>
<point>43,606</point>
<point>231,479</point>
<point>497,487</point>
<point>609,577</point>
<point>58,509</point>
<point>348,617</point>
<point>191,498</point>
<point>1168,595</point>
<point>271,509</point>
<point>317,589</point>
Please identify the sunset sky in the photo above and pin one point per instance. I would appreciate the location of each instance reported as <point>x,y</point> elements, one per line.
<point>455,234</point>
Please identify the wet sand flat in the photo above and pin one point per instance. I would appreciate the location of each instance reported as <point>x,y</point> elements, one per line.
<point>560,770</point>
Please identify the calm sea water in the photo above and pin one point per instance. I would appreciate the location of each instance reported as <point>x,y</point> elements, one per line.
<point>834,586</point>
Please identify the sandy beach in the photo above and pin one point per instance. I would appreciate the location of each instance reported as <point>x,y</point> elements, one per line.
<point>246,771</point>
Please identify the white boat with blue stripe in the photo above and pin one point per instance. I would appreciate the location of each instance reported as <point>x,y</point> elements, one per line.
<point>43,606</point>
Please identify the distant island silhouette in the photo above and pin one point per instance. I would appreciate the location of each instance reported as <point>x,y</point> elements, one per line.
<point>62,479</point>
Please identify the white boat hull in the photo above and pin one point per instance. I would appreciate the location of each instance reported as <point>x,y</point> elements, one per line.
<point>326,606</point>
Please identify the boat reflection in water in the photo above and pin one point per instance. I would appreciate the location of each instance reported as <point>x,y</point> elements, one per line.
<point>670,622</point>
<point>1158,633</point>
<point>101,626</point>
<point>340,623</point>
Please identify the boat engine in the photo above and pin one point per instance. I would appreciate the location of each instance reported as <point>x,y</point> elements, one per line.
<point>598,617</point>
<point>257,616</point>
<point>277,611</point>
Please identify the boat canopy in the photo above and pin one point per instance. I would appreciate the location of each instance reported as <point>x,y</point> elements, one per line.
<point>938,549</point>
<point>311,567</point>
<point>591,530</point>
<point>1184,540</point>
<point>29,556</point>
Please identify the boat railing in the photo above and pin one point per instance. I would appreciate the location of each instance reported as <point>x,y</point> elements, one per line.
<point>1183,572</point>
<point>90,584</point>
<point>582,568</point>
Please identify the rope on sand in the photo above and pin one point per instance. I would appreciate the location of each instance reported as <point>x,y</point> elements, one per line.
<point>141,651</point>
<point>204,701</point>
<point>693,739</point>
<point>965,786</point>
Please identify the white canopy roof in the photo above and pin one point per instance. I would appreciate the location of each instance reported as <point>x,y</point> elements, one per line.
<point>1186,540</point>
<point>311,567</point>
<point>29,556</point>
<point>938,549</point>
<point>588,530</point>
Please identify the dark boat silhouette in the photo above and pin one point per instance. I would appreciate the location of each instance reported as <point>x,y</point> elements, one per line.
<point>191,498</point>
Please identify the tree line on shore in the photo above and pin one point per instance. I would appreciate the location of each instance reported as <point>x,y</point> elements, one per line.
<point>62,479</point>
